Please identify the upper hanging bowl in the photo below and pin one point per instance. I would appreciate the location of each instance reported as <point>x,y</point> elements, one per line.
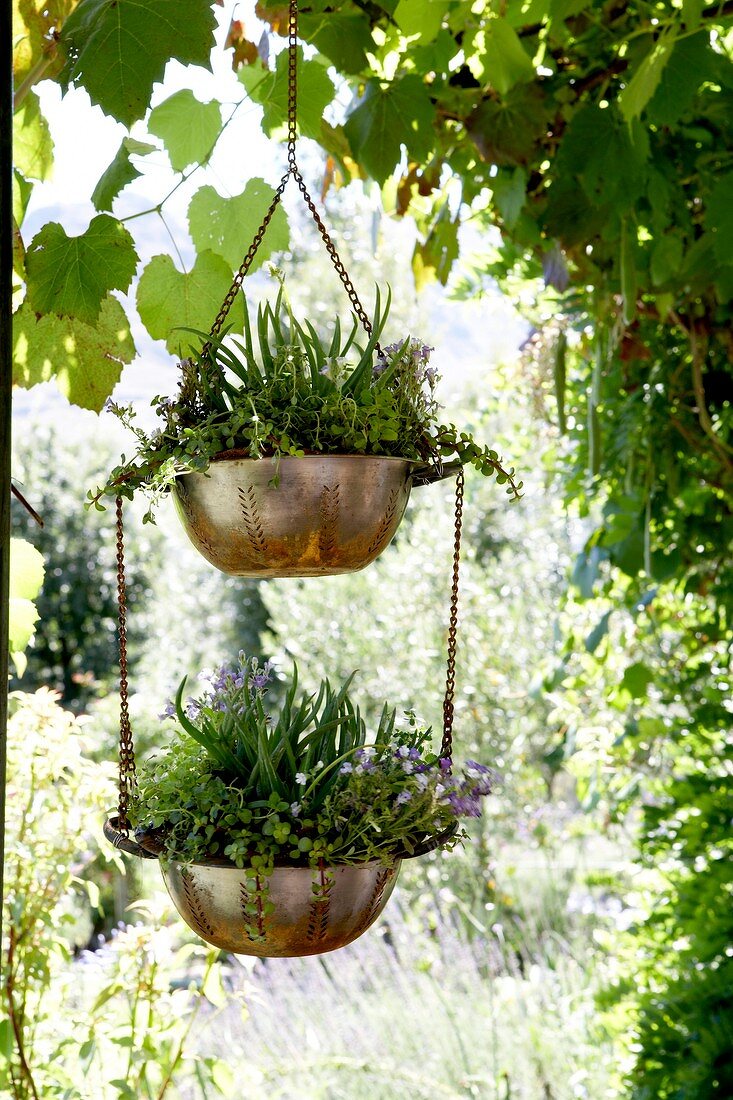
<point>327,514</point>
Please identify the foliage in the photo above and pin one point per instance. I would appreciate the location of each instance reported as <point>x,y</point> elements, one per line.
<point>26,578</point>
<point>110,1025</point>
<point>596,139</point>
<point>75,646</point>
<point>304,785</point>
<point>449,1016</point>
<point>287,393</point>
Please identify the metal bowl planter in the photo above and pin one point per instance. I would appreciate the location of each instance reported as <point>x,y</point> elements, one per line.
<point>294,911</point>
<point>327,514</point>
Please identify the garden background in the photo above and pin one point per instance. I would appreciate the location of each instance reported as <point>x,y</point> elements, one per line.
<point>547,186</point>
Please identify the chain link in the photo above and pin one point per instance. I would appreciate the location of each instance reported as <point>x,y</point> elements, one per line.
<point>446,748</point>
<point>293,171</point>
<point>127,751</point>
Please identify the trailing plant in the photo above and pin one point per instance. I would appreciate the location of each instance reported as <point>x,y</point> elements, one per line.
<point>282,390</point>
<point>300,786</point>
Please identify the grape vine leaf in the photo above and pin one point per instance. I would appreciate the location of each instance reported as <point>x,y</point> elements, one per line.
<point>119,173</point>
<point>169,300</point>
<point>598,151</point>
<point>387,118</point>
<point>71,276</point>
<point>32,145</point>
<point>85,360</point>
<point>500,57</point>
<point>686,69</point>
<point>22,189</point>
<point>118,50</point>
<point>643,84</point>
<point>415,18</point>
<point>270,89</point>
<point>187,127</point>
<point>344,38</point>
<point>26,578</point>
<point>228,226</point>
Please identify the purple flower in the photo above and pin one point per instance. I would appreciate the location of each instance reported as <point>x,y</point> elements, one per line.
<point>464,805</point>
<point>402,798</point>
<point>345,769</point>
<point>169,711</point>
<point>486,778</point>
<point>445,763</point>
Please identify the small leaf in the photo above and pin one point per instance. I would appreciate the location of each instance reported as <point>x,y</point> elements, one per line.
<point>598,633</point>
<point>643,84</point>
<point>119,173</point>
<point>270,89</point>
<point>32,145</point>
<point>420,19</point>
<point>168,299</point>
<point>228,226</point>
<point>26,570</point>
<point>500,57</point>
<point>187,128</point>
<point>71,276</point>
<point>636,680</point>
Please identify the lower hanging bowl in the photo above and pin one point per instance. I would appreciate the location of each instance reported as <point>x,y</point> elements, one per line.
<point>294,911</point>
<point>328,513</point>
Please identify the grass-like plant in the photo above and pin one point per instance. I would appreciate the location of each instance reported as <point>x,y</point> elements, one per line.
<point>303,783</point>
<point>279,389</point>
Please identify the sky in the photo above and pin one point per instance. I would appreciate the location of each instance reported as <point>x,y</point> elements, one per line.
<point>468,337</point>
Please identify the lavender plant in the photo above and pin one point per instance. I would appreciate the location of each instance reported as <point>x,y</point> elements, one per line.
<point>299,784</point>
<point>281,390</point>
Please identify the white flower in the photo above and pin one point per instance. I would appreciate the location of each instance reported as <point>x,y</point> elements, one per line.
<point>403,751</point>
<point>422,780</point>
<point>319,765</point>
<point>408,766</point>
<point>345,769</point>
<point>301,779</point>
<point>295,808</point>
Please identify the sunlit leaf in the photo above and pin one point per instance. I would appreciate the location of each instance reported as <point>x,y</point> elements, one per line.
<point>118,50</point>
<point>85,360</point>
<point>187,127</point>
<point>71,276</point>
<point>168,299</point>
<point>228,226</point>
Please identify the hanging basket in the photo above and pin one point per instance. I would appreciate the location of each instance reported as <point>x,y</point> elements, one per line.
<point>327,514</point>
<point>294,911</point>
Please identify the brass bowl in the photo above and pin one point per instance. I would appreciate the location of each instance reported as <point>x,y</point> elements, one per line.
<point>328,513</point>
<point>294,911</point>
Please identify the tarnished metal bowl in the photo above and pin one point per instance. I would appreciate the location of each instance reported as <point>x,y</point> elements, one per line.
<point>327,514</point>
<point>299,911</point>
<point>294,911</point>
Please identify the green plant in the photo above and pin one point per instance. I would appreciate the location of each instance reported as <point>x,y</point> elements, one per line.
<point>282,390</point>
<point>112,1023</point>
<point>302,785</point>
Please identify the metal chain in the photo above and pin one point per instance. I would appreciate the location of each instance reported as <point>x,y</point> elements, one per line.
<point>446,748</point>
<point>293,171</point>
<point>127,751</point>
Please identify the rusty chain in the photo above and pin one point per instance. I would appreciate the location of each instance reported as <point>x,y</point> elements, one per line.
<point>293,171</point>
<point>127,751</point>
<point>446,748</point>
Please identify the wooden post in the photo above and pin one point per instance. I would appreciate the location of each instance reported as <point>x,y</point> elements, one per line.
<point>6,375</point>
